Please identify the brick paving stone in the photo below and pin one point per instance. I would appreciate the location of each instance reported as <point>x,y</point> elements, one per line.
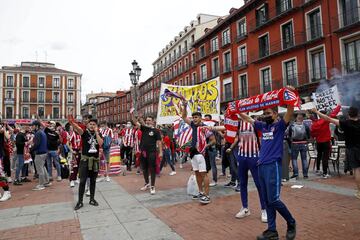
<point>319,215</point>
<point>62,230</point>
<point>345,181</point>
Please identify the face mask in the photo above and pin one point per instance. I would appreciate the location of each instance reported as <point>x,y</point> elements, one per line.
<point>268,119</point>
<point>128,125</point>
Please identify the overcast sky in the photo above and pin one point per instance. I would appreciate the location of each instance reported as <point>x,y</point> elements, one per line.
<point>98,39</point>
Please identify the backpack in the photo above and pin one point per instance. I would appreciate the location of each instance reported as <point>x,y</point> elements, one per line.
<point>298,132</point>
<point>107,143</point>
<point>65,171</point>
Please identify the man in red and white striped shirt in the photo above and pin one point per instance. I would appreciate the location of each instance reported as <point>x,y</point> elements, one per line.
<point>74,143</point>
<point>127,136</point>
<point>106,132</point>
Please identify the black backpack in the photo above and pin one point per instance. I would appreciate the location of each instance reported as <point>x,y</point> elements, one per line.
<point>65,173</point>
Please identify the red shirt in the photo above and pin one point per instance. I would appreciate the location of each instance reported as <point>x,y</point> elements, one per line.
<point>320,129</point>
<point>167,142</point>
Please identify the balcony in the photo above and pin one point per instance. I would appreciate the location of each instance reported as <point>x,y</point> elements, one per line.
<point>56,101</point>
<point>202,55</point>
<point>41,100</point>
<point>281,10</point>
<point>215,73</point>
<point>226,42</point>
<point>280,46</point>
<point>346,20</point>
<point>242,63</point>
<point>240,37</point>
<point>227,69</point>
<point>9,101</point>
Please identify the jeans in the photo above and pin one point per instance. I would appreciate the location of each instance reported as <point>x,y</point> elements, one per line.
<point>270,184</point>
<point>233,166</point>
<point>20,158</point>
<point>295,149</point>
<point>41,170</point>
<point>85,173</point>
<point>212,158</point>
<point>53,156</point>
<point>323,153</point>
<point>167,157</point>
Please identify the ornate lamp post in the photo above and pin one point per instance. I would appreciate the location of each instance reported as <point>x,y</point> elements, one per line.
<point>134,78</point>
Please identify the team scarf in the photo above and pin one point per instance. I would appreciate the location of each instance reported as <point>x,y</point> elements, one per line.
<point>231,123</point>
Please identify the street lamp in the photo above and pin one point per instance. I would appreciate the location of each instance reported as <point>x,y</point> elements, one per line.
<point>134,78</point>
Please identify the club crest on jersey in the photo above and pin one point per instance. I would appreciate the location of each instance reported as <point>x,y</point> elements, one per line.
<point>151,133</point>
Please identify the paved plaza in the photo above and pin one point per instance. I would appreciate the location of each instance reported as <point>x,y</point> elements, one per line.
<point>324,209</point>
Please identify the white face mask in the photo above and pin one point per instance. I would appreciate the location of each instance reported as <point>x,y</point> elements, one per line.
<point>128,125</point>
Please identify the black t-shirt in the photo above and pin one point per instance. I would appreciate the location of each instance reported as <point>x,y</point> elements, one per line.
<point>149,138</point>
<point>2,144</point>
<point>351,130</point>
<point>20,142</point>
<point>90,146</point>
<point>53,139</point>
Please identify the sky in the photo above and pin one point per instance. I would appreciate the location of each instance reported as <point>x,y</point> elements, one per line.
<point>98,39</point>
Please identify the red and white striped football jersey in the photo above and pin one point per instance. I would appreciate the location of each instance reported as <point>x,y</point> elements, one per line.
<point>248,143</point>
<point>75,140</point>
<point>107,132</point>
<point>127,135</point>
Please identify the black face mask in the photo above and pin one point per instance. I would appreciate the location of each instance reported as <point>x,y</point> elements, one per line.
<point>268,119</point>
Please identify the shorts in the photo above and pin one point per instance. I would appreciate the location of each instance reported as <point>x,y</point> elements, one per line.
<point>198,163</point>
<point>353,157</point>
<point>107,155</point>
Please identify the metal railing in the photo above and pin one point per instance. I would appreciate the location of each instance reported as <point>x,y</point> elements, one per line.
<point>242,62</point>
<point>346,19</point>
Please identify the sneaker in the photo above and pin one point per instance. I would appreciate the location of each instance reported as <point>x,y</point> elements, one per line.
<point>172,173</point>
<point>263,216</point>
<point>181,166</point>
<point>78,206</point>
<point>137,172</point>
<point>145,187</point>
<point>212,184</point>
<point>6,196</point>
<point>72,184</point>
<point>58,179</point>
<point>222,174</point>
<point>87,193</point>
<point>237,188</point>
<point>230,184</point>
<point>317,172</point>
<point>291,231</point>
<point>17,183</point>
<point>357,194</point>
<point>306,177</point>
<point>9,180</point>
<point>268,235</point>
<point>107,179</point>
<point>294,176</point>
<point>25,180</point>
<point>152,190</point>
<point>94,202</point>
<point>325,176</point>
<point>197,197</point>
<point>284,180</point>
<point>39,188</point>
<point>205,199</point>
<point>244,212</point>
<point>47,184</point>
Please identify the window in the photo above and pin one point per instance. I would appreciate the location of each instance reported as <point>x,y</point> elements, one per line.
<point>243,86</point>
<point>56,82</point>
<point>26,81</point>
<point>25,112</point>
<point>70,83</point>
<point>349,12</point>
<point>193,78</point>
<point>185,46</point>
<point>290,73</point>
<point>262,15</point>
<point>179,52</point>
<point>193,59</point>
<point>226,37</point>
<point>352,55</point>
<point>227,62</point>
<point>41,96</point>
<point>9,112</point>
<point>25,96</point>
<point>241,27</point>
<point>192,38</point>
<point>41,82</point>
<point>283,6</point>
<point>315,28</point>
<point>41,112</point>
<point>242,61</point>
<point>317,67</point>
<point>287,35</point>
<point>186,80</point>
<point>227,91</point>
<point>10,81</point>
<point>202,51</point>
<point>56,97</point>
<point>214,44</point>
<point>203,72</point>
<point>70,97</point>
<point>186,64</point>
<point>9,94</point>
<point>215,67</point>
<point>180,68</point>
<point>265,80</point>
<point>56,113</point>
<point>264,46</point>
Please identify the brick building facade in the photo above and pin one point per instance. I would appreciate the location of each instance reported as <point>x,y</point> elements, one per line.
<point>39,88</point>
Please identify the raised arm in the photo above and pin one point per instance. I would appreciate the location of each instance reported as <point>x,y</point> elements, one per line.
<point>326,117</point>
<point>184,112</point>
<point>77,128</point>
<point>247,118</point>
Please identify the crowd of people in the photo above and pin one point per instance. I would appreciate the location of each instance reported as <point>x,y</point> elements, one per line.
<point>257,147</point>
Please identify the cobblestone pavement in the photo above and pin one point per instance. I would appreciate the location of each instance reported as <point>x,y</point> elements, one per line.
<point>324,209</point>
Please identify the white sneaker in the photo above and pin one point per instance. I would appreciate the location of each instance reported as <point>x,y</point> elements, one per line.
<point>39,188</point>
<point>263,216</point>
<point>212,184</point>
<point>107,179</point>
<point>9,179</point>
<point>244,212</point>
<point>325,176</point>
<point>58,179</point>
<point>181,166</point>
<point>152,190</point>
<point>145,187</point>
<point>87,193</point>
<point>6,196</point>
<point>47,184</point>
<point>172,173</point>
<point>72,184</point>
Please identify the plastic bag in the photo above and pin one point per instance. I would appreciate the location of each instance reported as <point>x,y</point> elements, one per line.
<point>192,187</point>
